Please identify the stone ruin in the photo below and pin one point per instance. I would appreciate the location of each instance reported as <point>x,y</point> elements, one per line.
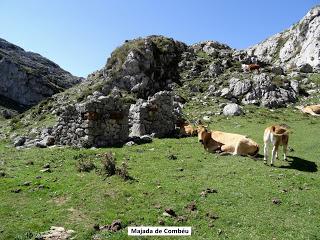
<point>111,121</point>
<point>101,121</point>
<point>153,116</point>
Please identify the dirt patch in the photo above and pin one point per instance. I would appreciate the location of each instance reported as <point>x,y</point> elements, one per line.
<point>76,215</point>
<point>61,200</point>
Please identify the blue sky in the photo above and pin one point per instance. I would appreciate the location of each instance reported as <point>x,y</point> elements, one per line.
<point>79,35</point>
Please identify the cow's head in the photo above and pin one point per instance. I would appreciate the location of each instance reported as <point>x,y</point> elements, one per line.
<point>202,131</point>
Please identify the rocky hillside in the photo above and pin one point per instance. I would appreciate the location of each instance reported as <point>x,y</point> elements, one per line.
<point>27,78</point>
<point>150,84</point>
<point>296,47</point>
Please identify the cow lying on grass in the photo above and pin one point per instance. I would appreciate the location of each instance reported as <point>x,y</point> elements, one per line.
<point>312,109</point>
<point>277,135</point>
<point>236,144</point>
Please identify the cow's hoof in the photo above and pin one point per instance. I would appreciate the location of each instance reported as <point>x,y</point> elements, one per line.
<point>265,162</point>
<point>271,165</point>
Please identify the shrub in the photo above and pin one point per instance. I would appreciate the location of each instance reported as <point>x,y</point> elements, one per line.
<point>123,171</point>
<point>85,165</point>
<point>108,164</point>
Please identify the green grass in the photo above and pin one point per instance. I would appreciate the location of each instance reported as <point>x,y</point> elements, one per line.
<point>315,77</point>
<point>78,200</point>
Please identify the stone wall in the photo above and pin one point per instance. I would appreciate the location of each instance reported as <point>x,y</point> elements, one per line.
<point>107,120</point>
<point>98,122</point>
<point>153,116</point>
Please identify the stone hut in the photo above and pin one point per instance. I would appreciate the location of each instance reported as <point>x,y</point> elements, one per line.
<point>99,122</point>
<point>109,120</point>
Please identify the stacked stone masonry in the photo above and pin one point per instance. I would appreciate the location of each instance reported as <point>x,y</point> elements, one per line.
<point>104,121</point>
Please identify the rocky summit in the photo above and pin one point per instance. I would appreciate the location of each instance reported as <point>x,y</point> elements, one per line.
<point>296,47</point>
<point>27,78</point>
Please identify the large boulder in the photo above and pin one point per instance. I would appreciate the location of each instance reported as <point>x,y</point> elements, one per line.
<point>239,87</point>
<point>232,109</point>
<point>305,68</point>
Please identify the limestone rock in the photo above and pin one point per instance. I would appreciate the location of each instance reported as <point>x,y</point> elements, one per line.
<point>295,47</point>
<point>27,78</point>
<point>19,141</point>
<point>239,87</point>
<point>232,109</point>
<point>56,233</point>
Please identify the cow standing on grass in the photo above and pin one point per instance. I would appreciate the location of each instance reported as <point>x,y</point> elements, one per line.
<point>277,135</point>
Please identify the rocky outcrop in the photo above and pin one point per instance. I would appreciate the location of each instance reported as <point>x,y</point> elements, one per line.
<point>143,66</point>
<point>295,47</point>
<point>261,89</point>
<point>27,78</point>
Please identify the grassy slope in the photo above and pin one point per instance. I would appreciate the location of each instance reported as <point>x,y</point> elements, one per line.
<point>243,202</point>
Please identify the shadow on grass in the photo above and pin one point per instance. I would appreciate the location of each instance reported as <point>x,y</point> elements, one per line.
<point>301,164</point>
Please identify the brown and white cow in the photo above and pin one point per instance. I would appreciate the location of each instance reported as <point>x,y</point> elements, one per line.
<point>277,135</point>
<point>250,67</point>
<point>236,144</point>
<point>313,110</point>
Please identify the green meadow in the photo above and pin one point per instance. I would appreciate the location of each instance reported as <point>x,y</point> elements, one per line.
<point>249,200</point>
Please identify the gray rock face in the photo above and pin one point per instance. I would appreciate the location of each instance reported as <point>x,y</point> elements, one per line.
<point>295,47</point>
<point>215,69</point>
<point>27,78</point>
<point>260,90</point>
<point>232,109</point>
<point>267,94</point>
<point>238,88</point>
<point>146,69</point>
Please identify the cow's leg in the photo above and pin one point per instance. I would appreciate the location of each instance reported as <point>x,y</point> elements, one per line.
<point>274,152</point>
<point>236,149</point>
<point>285,147</point>
<point>241,148</point>
<point>265,152</point>
<point>227,148</point>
